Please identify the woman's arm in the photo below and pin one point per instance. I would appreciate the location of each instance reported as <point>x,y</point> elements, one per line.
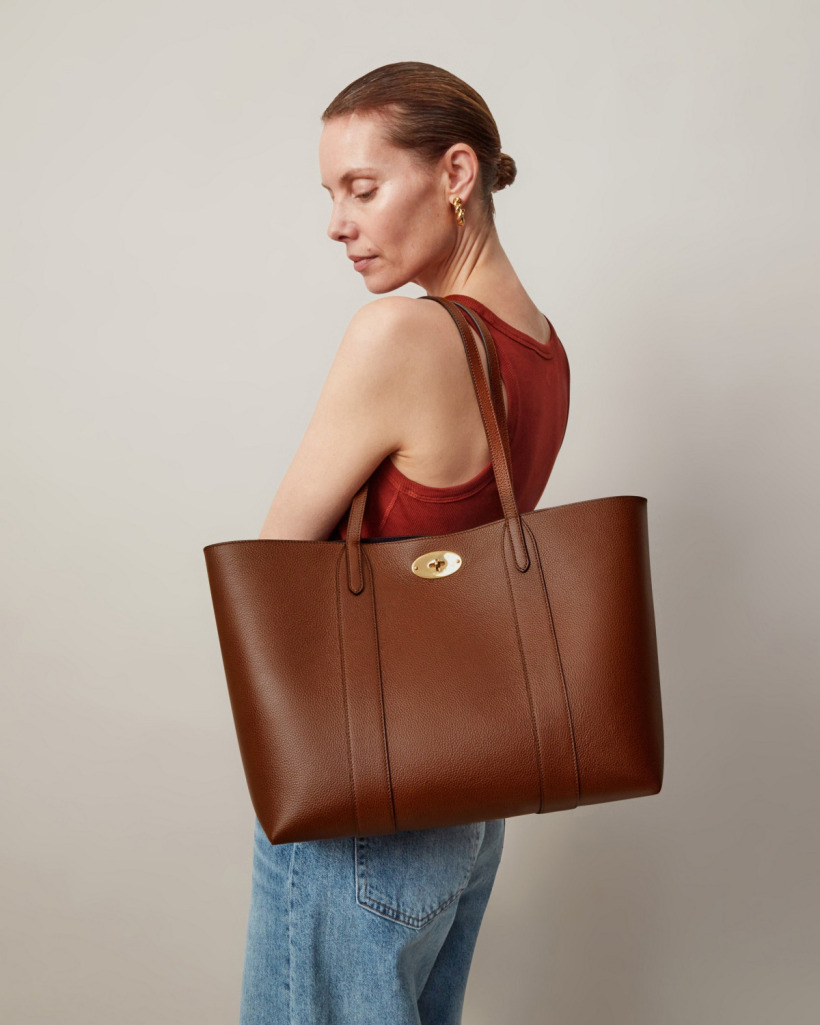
<point>358,421</point>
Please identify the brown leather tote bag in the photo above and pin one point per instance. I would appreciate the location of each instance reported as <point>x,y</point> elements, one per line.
<point>386,684</point>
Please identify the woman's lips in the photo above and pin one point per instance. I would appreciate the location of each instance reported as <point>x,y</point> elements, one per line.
<point>361,264</point>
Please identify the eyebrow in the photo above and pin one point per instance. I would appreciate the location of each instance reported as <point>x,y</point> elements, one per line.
<point>354,172</point>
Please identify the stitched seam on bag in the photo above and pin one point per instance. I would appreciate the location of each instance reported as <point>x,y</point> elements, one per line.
<point>388,779</point>
<point>526,675</point>
<point>344,691</point>
<point>563,678</point>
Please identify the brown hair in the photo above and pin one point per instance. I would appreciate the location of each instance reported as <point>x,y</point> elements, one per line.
<point>426,110</point>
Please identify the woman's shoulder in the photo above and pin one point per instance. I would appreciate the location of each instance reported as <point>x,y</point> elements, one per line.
<point>393,323</point>
<point>391,311</point>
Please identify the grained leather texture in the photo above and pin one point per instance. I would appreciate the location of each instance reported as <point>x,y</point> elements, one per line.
<point>369,700</point>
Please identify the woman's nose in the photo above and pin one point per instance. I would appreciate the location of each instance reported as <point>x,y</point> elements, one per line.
<point>340,227</point>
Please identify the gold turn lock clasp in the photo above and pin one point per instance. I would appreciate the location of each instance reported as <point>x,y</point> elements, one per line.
<point>436,564</point>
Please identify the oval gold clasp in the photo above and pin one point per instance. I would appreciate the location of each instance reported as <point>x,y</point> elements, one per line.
<point>436,564</point>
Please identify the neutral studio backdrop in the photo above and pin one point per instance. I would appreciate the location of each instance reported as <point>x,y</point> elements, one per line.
<point>170,304</point>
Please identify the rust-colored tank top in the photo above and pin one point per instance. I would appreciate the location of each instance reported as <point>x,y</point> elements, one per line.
<point>536,377</point>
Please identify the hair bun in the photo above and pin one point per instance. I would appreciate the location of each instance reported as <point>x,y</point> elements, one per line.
<point>506,171</point>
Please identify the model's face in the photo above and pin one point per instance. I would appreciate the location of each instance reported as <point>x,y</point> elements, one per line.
<point>391,208</point>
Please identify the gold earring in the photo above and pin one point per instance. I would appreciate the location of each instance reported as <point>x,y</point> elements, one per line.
<point>459,208</point>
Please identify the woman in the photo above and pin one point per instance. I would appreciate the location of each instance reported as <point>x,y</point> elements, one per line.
<point>382,929</point>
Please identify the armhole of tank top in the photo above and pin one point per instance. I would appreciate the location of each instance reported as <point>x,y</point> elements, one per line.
<point>393,499</point>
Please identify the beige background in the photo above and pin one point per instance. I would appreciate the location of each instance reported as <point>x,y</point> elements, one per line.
<point>170,306</point>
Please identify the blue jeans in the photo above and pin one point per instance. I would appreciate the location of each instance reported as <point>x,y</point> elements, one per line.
<point>376,930</point>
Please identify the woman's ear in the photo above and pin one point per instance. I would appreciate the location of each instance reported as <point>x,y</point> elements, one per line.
<point>462,170</point>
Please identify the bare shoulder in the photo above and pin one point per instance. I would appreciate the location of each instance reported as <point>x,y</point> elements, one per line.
<point>389,316</point>
<point>391,331</point>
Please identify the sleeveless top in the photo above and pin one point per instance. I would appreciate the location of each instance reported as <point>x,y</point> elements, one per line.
<point>536,377</point>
